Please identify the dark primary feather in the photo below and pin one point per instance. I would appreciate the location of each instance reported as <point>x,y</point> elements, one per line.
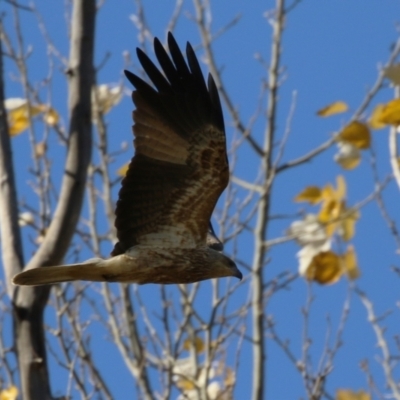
<point>180,167</point>
<point>177,56</point>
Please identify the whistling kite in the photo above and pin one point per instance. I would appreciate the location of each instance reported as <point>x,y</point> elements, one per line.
<point>179,170</point>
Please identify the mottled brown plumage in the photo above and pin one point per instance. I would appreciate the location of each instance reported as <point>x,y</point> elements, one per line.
<point>179,170</point>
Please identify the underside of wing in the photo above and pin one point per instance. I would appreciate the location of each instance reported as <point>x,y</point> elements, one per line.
<point>180,167</point>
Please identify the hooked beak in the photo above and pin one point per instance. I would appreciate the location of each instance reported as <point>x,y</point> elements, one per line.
<point>238,274</point>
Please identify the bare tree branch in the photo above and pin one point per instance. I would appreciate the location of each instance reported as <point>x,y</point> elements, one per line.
<point>11,244</point>
<point>393,146</point>
<point>206,42</point>
<point>382,344</point>
<point>29,302</point>
<point>259,348</point>
<point>358,113</point>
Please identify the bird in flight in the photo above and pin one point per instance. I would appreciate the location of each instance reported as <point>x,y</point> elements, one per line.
<point>178,172</point>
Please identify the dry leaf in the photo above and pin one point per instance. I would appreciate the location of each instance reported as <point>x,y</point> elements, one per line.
<point>347,221</point>
<point>375,119</point>
<point>334,214</point>
<point>185,384</point>
<point>123,170</point>
<point>307,254</point>
<point>334,108</point>
<point>329,215</point>
<point>308,231</point>
<point>184,373</point>
<point>345,394</point>
<point>104,97</point>
<point>357,134</point>
<point>333,205</point>
<point>311,194</point>
<point>25,218</point>
<point>19,107</point>
<point>51,117</point>
<point>348,156</point>
<point>9,394</point>
<point>341,190</point>
<point>18,114</point>
<point>325,268</point>
<point>17,126</point>
<point>390,113</point>
<point>350,263</point>
<point>393,73</point>
<point>198,344</point>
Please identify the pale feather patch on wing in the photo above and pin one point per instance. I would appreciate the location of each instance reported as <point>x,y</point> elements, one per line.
<point>168,236</point>
<point>148,116</point>
<point>147,147</point>
<point>154,137</point>
<point>152,143</point>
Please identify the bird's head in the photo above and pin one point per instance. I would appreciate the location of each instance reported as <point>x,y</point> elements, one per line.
<point>222,265</point>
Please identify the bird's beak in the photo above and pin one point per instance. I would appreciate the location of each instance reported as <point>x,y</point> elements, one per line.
<point>238,274</point>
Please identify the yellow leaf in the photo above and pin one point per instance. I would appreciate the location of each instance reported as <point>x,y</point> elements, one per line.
<point>9,394</point>
<point>330,210</point>
<point>334,108</point>
<point>22,111</point>
<point>18,126</point>
<point>357,134</point>
<point>349,163</point>
<point>345,394</point>
<point>341,187</point>
<point>123,170</point>
<point>185,384</point>
<point>329,216</point>
<point>348,220</point>
<point>390,113</point>
<point>51,117</point>
<point>104,97</point>
<point>348,156</point>
<point>375,119</point>
<point>350,263</point>
<point>198,344</point>
<point>329,193</point>
<point>333,205</point>
<point>18,114</point>
<point>312,194</point>
<point>393,73</point>
<point>325,268</point>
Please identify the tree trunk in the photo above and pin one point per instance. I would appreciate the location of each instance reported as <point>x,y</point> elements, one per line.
<point>29,302</point>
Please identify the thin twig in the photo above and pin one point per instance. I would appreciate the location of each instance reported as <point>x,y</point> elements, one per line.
<point>386,361</point>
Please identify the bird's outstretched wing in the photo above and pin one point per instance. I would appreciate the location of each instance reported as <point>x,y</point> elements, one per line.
<point>180,167</point>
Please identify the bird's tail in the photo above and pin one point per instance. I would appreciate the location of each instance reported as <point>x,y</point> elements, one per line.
<point>88,271</point>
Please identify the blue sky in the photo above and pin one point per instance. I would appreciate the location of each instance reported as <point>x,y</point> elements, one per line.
<point>332,51</point>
